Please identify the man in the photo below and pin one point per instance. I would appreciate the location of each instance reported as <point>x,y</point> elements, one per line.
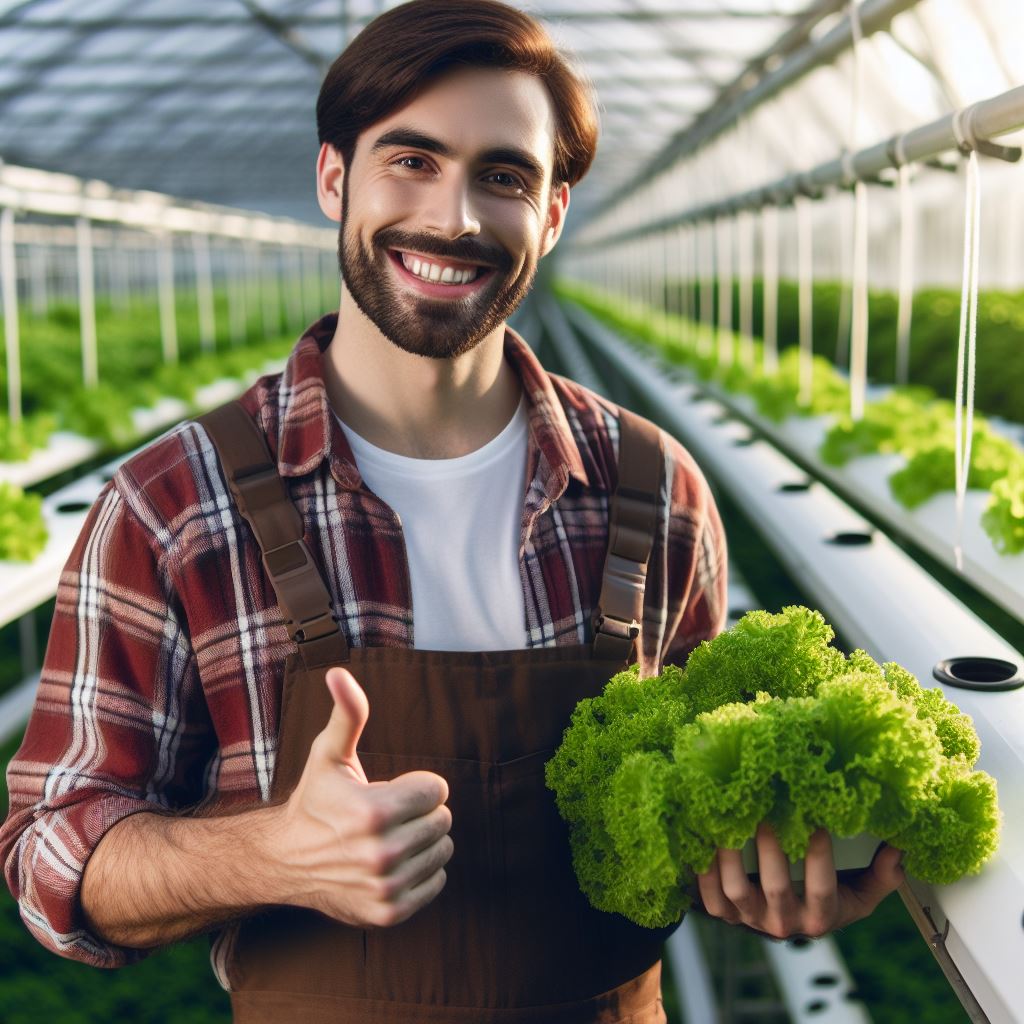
<point>460,560</point>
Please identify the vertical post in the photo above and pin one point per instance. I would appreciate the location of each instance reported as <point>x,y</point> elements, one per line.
<point>310,276</point>
<point>270,297</point>
<point>251,283</point>
<point>87,302</point>
<point>9,283</point>
<point>770,256</point>
<point>118,275</point>
<point>725,339</point>
<point>204,292</point>
<point>236,298</point>
<point>329,265</point>
<point>37,280</point>
<point>805,273</point>
<point>296,313</point>
<point>165,295</point>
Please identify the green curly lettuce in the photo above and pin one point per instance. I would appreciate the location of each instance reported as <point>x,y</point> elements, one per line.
<point>23,532</point>
<point>1003,518</point>
<point>955,830</point>
<point>725,763</point>
<point>904,421</point>
<point>932,470</point>
<point>652,854</point>
<point>768,722</point>
<point>784,655</point>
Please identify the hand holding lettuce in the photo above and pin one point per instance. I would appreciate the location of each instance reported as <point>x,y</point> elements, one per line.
<point>768,723</point>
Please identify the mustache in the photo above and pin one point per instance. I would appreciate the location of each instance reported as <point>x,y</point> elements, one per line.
<point>464,250</point>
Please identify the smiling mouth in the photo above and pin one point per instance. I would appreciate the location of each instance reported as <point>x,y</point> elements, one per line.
<point>440,277</point>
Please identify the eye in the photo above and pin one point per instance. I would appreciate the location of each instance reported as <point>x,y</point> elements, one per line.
<point>514,184</point>
<point>402,159</point>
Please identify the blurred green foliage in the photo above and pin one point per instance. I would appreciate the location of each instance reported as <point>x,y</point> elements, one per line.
<point>174,985</point>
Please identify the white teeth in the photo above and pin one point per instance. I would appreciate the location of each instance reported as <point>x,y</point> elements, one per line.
<point>434,272</point>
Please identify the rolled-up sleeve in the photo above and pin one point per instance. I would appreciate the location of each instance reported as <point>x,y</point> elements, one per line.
<point>109,728</point>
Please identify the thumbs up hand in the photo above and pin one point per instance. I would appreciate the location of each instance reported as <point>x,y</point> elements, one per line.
<point>369,854</point>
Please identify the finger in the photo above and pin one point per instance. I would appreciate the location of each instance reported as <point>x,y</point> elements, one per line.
<point>418,867</point>
<point>821,888</point>
<point>410,796</point>
<point>349,713</point>
<point>420,895</point>
<point>709,884</point>
<point>781,905</point>
<point>738,889</point>
<point>861,895</point>
<point>420,833</point>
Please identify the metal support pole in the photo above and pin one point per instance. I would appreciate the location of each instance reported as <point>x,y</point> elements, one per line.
<point>236,298</point>
<point>204,292</point>
<point>12,336</point>
<point>270,295</point>
<point>165,296</point>
<point>978,123</point>
<point>87,303</point>
<point>37,280</point>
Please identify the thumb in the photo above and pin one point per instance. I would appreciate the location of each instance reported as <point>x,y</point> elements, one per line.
<point>349,714</point>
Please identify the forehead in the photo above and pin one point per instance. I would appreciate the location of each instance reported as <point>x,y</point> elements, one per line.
<point>473,110</point>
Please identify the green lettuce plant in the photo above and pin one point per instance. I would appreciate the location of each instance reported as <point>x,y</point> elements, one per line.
<point>1003,519</point>
<point>768,722</point>
<point>23,530</point>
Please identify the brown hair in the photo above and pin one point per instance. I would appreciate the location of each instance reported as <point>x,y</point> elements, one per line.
<point>402,51</point>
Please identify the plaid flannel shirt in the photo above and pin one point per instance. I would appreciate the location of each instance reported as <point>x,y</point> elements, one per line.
<point>161,684</point>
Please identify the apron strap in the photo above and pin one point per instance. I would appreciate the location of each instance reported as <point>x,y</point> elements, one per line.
<point>631,524</point>
<point>262,499</point>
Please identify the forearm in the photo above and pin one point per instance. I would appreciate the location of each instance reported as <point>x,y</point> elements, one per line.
<point>155,879</point>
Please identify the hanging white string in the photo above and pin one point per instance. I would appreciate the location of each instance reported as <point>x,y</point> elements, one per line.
<point>906,303</point>
<point>707,298</point>
<point>745,230</point>
<point>966,347</point>
<point>725,292</point>
<point>770,260</point>
<point>805,277</point>
<point>859,321</point>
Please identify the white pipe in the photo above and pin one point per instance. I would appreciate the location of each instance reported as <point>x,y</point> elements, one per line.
<point>87,303</point>
<point>12,336</point>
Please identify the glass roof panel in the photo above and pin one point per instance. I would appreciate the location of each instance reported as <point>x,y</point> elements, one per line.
<point>131,70</point>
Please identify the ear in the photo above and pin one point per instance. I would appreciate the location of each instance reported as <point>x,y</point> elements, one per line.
<point>330,170</point>
<point>557,207</point>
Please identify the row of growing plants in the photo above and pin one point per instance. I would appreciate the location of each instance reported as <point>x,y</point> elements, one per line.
<point>132,375</point>
<point>132,371</point>
<point>910,421</point>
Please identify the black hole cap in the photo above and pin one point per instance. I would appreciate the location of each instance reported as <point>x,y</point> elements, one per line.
<point>979,673</point>
<point>851,538</point>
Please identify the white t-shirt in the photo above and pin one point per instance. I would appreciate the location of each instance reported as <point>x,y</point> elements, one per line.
<point>462,522</point>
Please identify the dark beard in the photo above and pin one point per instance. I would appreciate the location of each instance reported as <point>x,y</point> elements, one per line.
<point>436,328</point>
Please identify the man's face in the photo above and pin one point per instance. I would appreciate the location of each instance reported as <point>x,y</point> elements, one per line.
<point>458,182</point>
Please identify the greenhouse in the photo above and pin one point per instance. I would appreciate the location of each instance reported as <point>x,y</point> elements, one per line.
<point>789,635</point>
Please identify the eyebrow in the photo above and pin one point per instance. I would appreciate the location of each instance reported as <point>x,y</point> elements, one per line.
<point>499,154</point>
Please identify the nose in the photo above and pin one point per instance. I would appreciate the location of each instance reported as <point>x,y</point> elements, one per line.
<point>450,210</point>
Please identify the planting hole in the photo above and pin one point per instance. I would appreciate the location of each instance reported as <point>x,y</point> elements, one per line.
<point>850,538</point>
<point>74,506</point>
<point>816,1006</point>
<point>825,980</point>
<point>795,486</point>
<point>743,442</point>
<point>979,673</point>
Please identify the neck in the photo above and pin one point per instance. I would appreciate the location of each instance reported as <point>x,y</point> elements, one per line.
<point>415,406</point>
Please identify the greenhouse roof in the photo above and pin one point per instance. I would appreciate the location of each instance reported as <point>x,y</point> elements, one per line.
<point>149,95</point>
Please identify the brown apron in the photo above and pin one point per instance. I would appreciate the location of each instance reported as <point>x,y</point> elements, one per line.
<point>510,938</point>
